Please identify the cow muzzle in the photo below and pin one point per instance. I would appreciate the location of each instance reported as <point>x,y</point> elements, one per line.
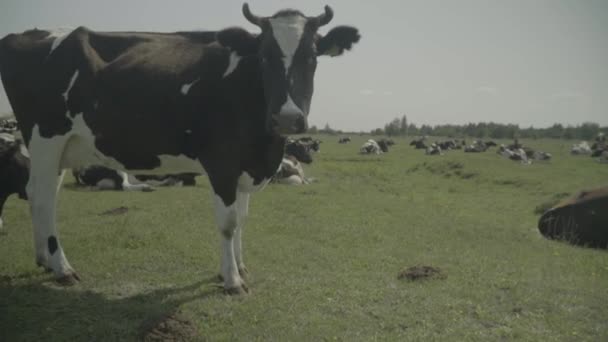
<point>291,123</point>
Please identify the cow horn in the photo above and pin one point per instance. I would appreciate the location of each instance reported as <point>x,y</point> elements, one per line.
<point>326,17</point>
<point>255,20</point>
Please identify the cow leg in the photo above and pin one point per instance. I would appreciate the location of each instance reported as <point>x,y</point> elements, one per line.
<point>227,218</point>
<point>127,186</point>
<point>42,187</point>
<point>242,208</point>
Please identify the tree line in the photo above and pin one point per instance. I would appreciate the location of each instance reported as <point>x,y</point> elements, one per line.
<point>401,127</point>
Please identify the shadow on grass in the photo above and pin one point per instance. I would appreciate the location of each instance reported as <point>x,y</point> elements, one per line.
<point>39,310</point>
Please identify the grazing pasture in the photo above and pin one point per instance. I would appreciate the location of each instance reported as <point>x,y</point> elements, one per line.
<point>325,258</point>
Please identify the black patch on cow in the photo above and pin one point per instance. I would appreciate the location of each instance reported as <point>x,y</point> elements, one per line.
<point>53,245</point>
<point>239,40</point>
<point>340,38</point>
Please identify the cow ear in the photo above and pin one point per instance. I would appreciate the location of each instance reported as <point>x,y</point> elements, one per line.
<point>337,40</point>
<point>239,40</point>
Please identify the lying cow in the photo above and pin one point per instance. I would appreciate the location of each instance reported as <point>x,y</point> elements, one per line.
<point>291,171</point>
<point>344,140</point>
<point>580,148</point>
<point>419,143</point>
<point>8,126</point>
<point>434,149</point>
<point>518,154</point>
<point>373,147</point>
<point>580,220</point>
<point>476,147</point>
<point>104,178</point>
<point>14,169</point>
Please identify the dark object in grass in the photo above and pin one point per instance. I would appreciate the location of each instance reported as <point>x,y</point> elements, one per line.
<point>173,327</point>
<point>420,273</point>
<point>580,220</point>
<point>116,211</point>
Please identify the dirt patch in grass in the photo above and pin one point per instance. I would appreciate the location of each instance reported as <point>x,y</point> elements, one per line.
<point>421,273</point>
<point>550,203</point>
<point>444,168</point>
<point>115,211</point>
<point>173,327</point>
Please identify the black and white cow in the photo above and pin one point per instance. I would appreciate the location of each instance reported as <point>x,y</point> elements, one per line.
<point>291,171</point>
<point>373,147</point>
<point>344,140</point>
<point>14,169</point>
<point>164,103</point>
<point>434,149</point>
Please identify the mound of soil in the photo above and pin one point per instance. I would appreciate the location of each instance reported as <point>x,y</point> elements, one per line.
<point>116,211</point>
<point>167,328</point>
<point>420,273</point>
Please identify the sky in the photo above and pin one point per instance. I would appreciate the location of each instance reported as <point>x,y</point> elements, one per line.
<point>526,62</point>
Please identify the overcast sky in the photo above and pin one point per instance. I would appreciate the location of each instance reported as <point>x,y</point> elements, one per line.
<point>529,62</point>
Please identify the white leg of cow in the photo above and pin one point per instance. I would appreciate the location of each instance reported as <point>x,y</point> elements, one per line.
<point>43,185</point>
<point>127,186</point>
<point>227,217</point>
<point>242,207</point>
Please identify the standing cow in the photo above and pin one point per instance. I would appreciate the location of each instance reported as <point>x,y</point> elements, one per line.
<point>158,103</point>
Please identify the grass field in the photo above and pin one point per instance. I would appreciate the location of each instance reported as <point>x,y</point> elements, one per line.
<point>323,258</point>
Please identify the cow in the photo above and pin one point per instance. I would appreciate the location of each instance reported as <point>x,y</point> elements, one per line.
<point>291,171</point>
<point>344,140</point>
<point>580,220</point>
<point>14,169</point>
<point>299,151</point>
<point>8,126</point>
<point>580,148</point>
<point>541,156</point>
<point>371,147</point>
<point>434,149</point>
<point>105,178</point>
<point>218,102</point>
<point>419,143</point>
<point>476,147</point>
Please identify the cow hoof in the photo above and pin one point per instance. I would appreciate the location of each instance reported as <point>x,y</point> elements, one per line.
<point>238,290</point>
<point>68,279</point>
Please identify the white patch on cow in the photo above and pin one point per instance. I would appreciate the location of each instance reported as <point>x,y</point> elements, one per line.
<point>287,31</point>
<point>289,107</point>
<point>242,211</point>
<point>7,138</point>
<point>232,64</point>
<point>186,87</point>
<point>106,184</point>
<point>24,151</point>
<point>226,216</point>
<point>60,35</point>
<point>246,183</point>
<point>70,85</point>
<point>127,186</point>
<point>42,190</point>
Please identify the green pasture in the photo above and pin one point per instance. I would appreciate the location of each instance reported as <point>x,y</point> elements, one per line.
<point>323,258</point>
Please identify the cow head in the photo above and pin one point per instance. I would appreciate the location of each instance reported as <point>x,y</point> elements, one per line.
<point>287,51</point>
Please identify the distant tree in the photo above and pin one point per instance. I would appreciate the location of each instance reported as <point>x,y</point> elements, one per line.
<point>313,129</point>
<point>403,127</point>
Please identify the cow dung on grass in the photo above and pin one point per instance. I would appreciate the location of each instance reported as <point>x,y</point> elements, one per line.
<point>171,327</point>
<point>421,273</point>
<point>580,220</point>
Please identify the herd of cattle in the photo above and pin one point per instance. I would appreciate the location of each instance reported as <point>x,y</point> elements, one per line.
<point>14,162</point>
